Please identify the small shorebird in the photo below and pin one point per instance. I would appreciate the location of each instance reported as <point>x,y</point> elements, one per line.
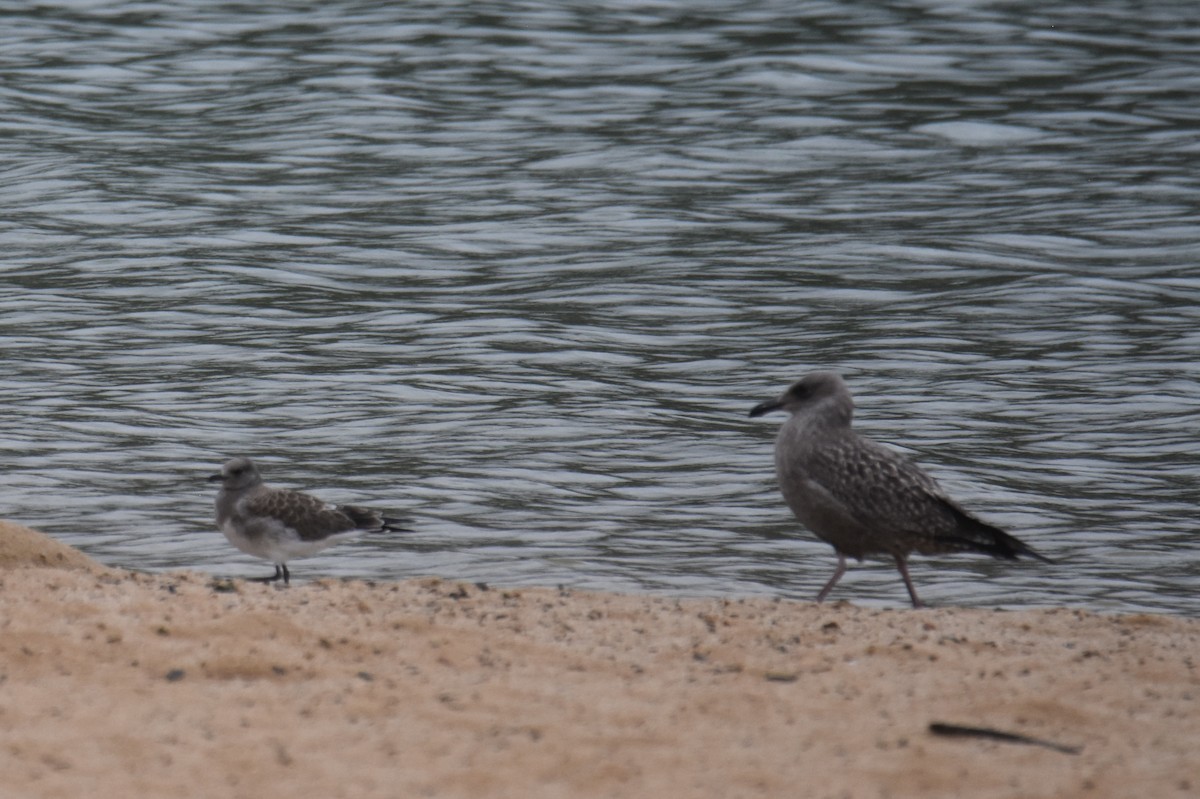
<point>863,498</point>
<point>281,525</point>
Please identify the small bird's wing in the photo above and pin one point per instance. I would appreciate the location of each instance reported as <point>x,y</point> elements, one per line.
<point>311,518</point>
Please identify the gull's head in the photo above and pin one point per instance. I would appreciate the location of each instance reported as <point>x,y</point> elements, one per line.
<point>237,474</point>
<point>812,393</point>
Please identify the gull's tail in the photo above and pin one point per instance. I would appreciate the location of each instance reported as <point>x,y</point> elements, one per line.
<point>973,535</point>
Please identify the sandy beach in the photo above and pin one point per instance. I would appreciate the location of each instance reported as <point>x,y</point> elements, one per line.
<point>120,684</point>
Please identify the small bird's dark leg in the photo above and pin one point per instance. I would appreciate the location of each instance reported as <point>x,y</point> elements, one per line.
<point>273,577</point>
<point>912,592</point>
<point>837,575</point>
<point>286,577</point>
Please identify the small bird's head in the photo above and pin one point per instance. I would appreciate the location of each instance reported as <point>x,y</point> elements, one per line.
<point>237,474</point>
<point>814,390</point>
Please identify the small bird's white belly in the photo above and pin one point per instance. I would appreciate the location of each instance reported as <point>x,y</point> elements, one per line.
<point>280,545</point>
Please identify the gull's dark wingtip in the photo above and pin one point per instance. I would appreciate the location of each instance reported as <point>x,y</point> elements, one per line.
<point>1031,552</point>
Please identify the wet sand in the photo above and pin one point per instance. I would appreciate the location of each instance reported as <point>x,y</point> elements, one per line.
<point>120,684</point>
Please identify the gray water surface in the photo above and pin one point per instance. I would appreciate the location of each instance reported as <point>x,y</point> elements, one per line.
<point>520,270</point>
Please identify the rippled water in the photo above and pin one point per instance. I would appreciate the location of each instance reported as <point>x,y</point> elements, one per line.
<point>521,269</point>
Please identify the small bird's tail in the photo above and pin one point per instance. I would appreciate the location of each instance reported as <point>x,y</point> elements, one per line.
<point>373,521</point>
<point>393,524</point>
